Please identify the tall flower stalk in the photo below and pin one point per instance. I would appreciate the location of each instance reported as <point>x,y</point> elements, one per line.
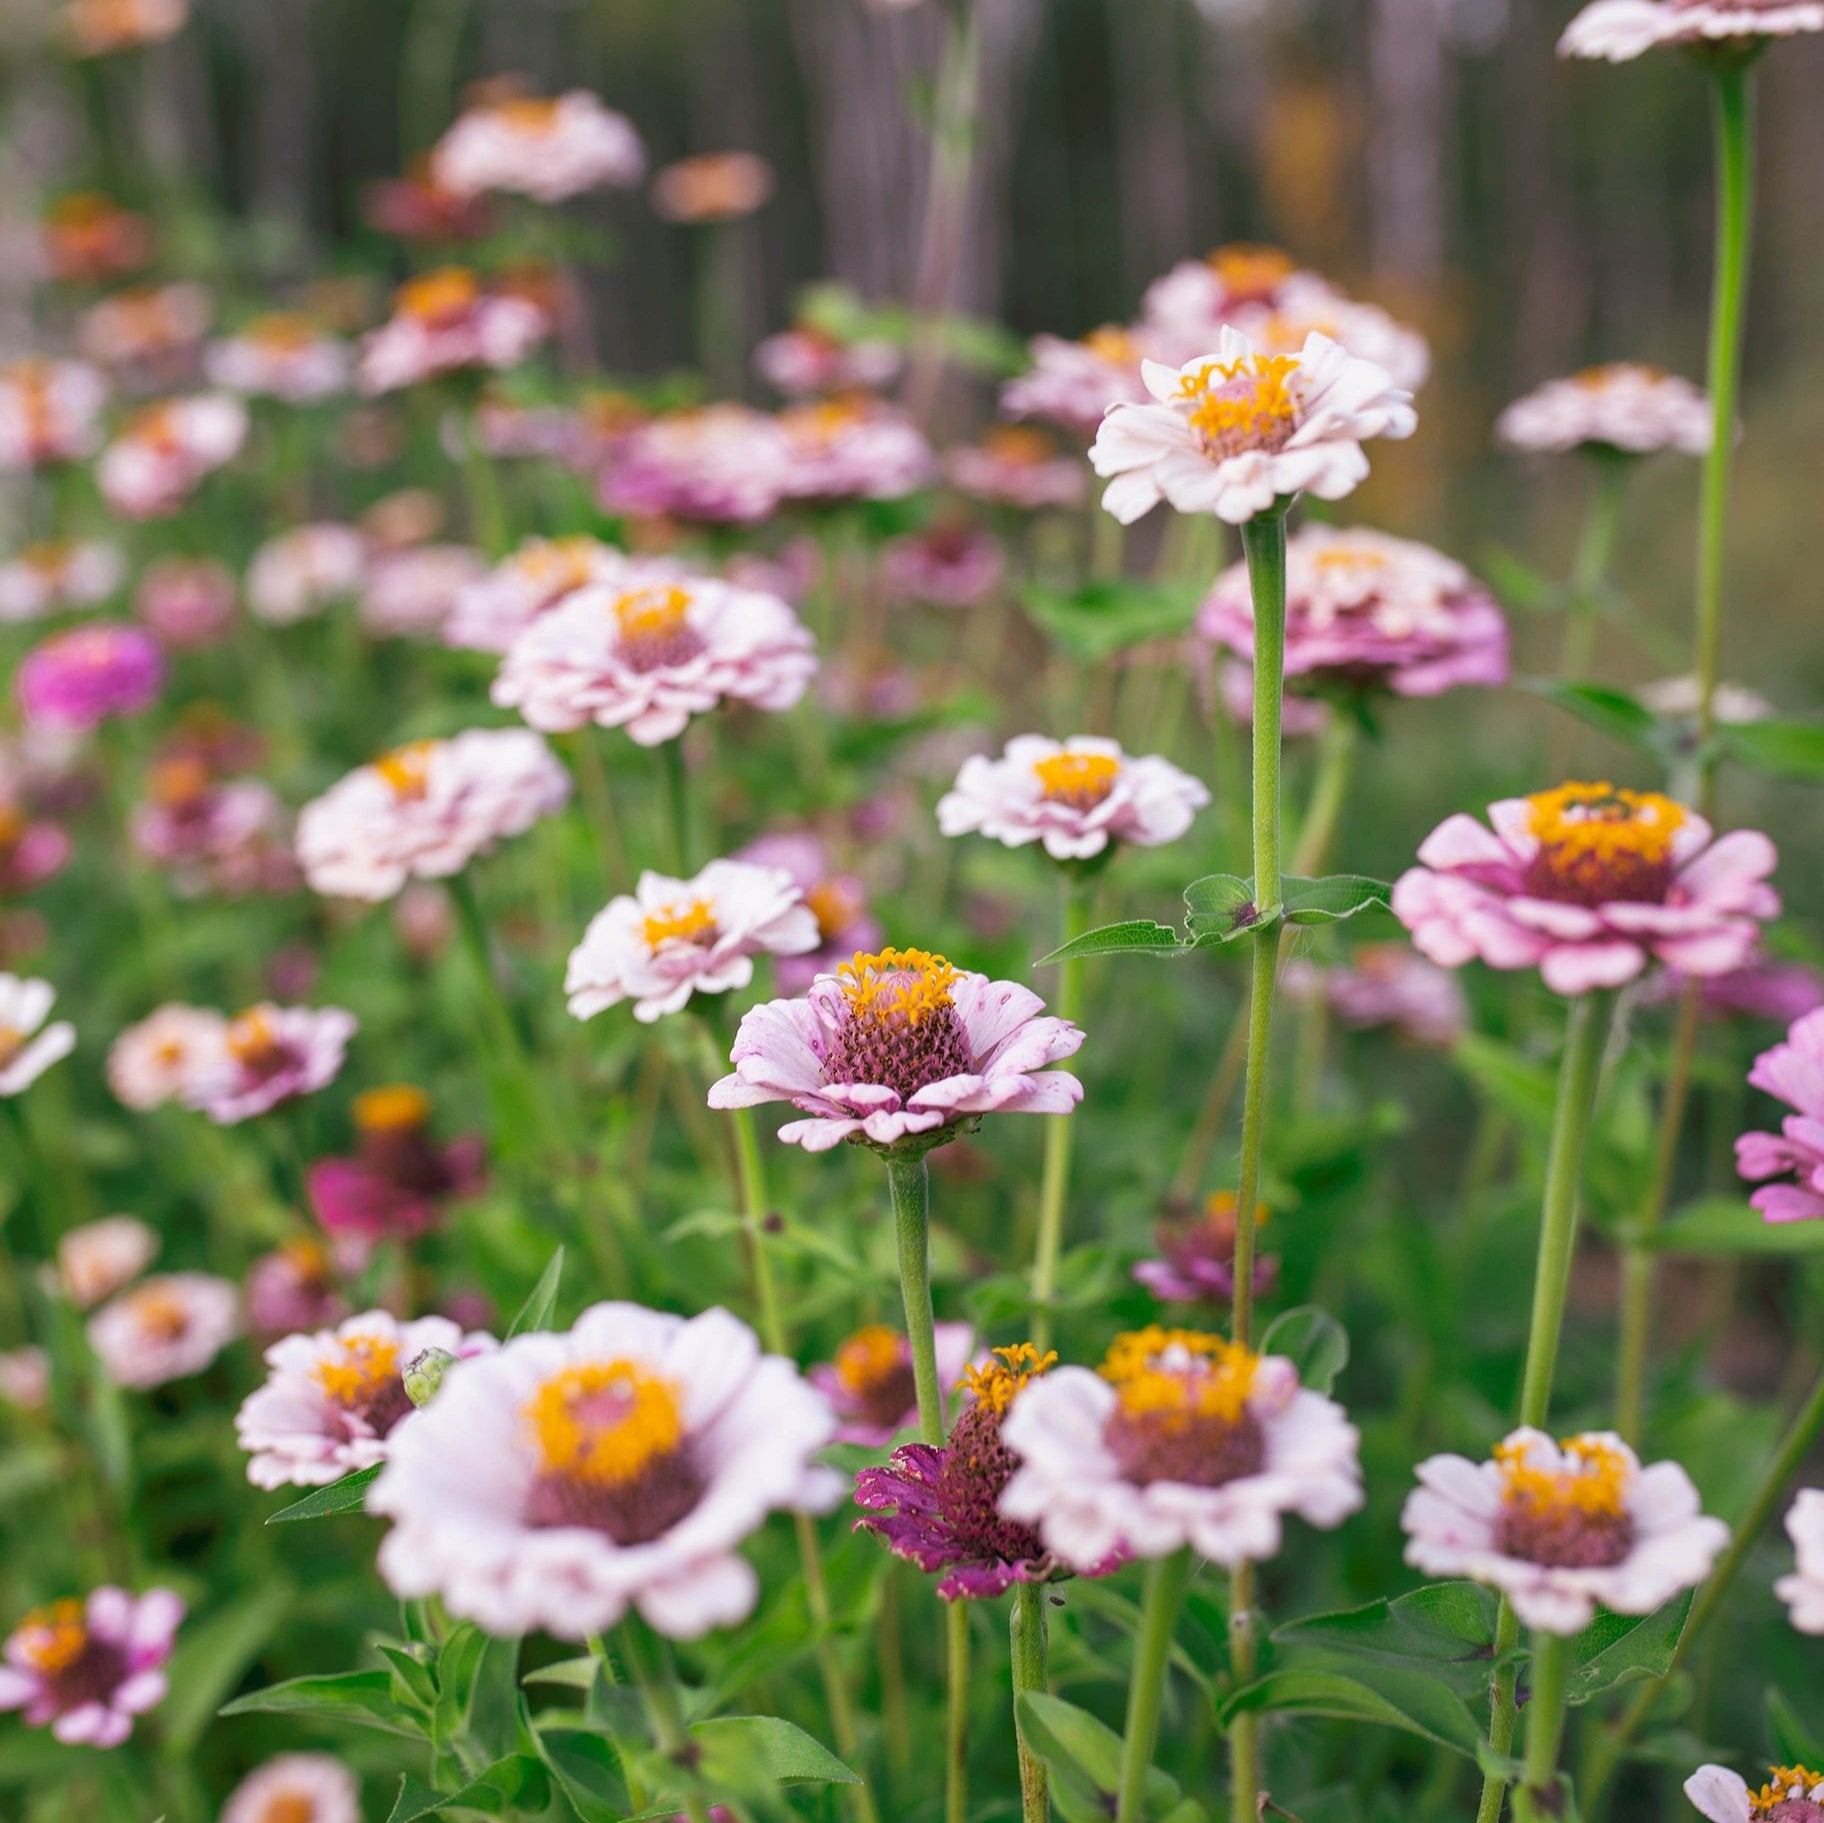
<point>1054,1181</point>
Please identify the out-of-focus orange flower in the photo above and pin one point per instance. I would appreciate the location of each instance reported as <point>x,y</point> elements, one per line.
<point>416,207</point>
<point>713,187</point>
<point>89,239</point>
<point>96,27</point>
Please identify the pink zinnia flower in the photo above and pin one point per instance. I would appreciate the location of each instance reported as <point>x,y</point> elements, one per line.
<point>282,356</point>
<point>1365,610</point>
<point>296,1788</point>
<point>1232,432</point>
<point>1075,796</point>
<point>398,1182</point>
<point>26,1050</point>
<point>152,1063</point>
<point>1803,1591</point>
<point>1622,407</point>
<point>1620,30</point>
<point>30,852</point>
<point>852,448</point>
<point>298,573</point>
<point>292,1288</point>
<point>1761,988</point>
<point>90,675</point>
<point>1197,1263</point>
<point>187,601</point>
<point>947,565</point>
<point>1561,1528</point>
<point>1589,885</point>
<point>212,832</point>
<point>149,470</point>
<point>1074,384</point>
<point>50,411</point>
<point>900,1050</point>
<point>1386,984</point>
<point>148,333</point>
<point>837,900</point>
<point>167,1327</point>
<point>1792,1794</point>
<point>870,1383</point>
<point>47,578</point>
<point>270,1054</point>
<point>412,592</point>
<point>1792,1072</point>
<point>426,810</point>
<point>548,149</point>
<point>802,362</point>
<point>445,321</point>
<point>88,1668</point>
<point>1019,467</point>
<point>670,939</point>
<point>25,1378</point>
<point>95,1259</point>
<point>648,658</point>
<point>722,464</point>
<point>491,611</point>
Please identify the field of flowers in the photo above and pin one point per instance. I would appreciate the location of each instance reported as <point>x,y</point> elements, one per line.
<point>536,879</point>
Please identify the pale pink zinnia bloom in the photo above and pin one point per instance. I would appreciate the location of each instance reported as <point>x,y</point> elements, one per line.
<point>722,464</point>
<point>25,1378</point>
<point>149,470</point>
<point>298,573</point>
<point>670,939</point>
<point>648,658</point>
<point>167,1327</point>
<point>270,1054</point>
<point>870,1384</point>
<point>151,1063</point>
<point>445,321</point>
<point>1075,796</point>
<point>426,810</point>
<point>95,1259</point>
<point>149,333</point>
<point>899,1049</point>
<point>31,852</point>
<point>1562,1528</point>
<point>491,611</point>
<point>334,1402</point>
<point>1014,465</point>
<point>1386,984</point>
<point>296,1287</point>
<point>1073,384</point>
<point>296,1788</point>
<point>28,1047</point>
<point>567,1478</point>
<point>1232,432</point>
<point>1588,884</point>
<point>50,411</point>
<point>802,362</point>
<point>90,675</point>
<point>51,577</point>
<point>281,356</point>
<point>188,602</point>
<point>1623,406</point>
<point>951,564</point>
<point>1803,1591</point>
<point>838,901</point>
<point>548,149</point>
<point>215,835</point>
<point>853,448</point>
<point>1792,1072</point>
<point>1620,30</point>
<point>1180,1439</point>
<point>1364,609</point>
<point>413,591</point>
<point>1792,1794</point>
<point>89,1668</point>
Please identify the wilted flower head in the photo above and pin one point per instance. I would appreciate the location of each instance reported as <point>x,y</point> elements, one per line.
<point>50,411</point>
<point>89,1667</point>
<point>89,238</point>
<point>1620,30</point>
<point>1017,466</point>
<point>52,577</point>
<point>270,1054</point>
<point>1623,408</point>
<point>413,591</point>
<point>188,602</point>
<point>1792,1072</point>
<point>79,679</point>
<point>870,1385</point>
<point>1073,384</point>
<point>491,611</point>
<point>649,656</point>
<point>804,360</point>
<point>282,355</point>
<point>446,320</point>
<point>26,1051</point>
<point>1197,1263</point>
<point>149,470</point>
<point>900,1050</point>
<point>712,187</point>
<point>396,1185</point>
<point>95,1259</point>
<point>548,149</point>
<point>1588,884</point>
<point>1075,796</point>
<point>167,1327</point>
<point>938,1507</point>
<point>1180,1439</point>
<point>1561,1528</point>
<point>670,938</point>
<point>1232,432</point>
<point>296,1788</point>
<point>837,900</point>
<point>150,1063</point>
<point>566,1478</point>
<point>333,1401</point>
<point>1386,984</point>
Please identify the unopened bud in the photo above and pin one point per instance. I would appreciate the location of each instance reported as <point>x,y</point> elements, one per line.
<point>424,1374</point>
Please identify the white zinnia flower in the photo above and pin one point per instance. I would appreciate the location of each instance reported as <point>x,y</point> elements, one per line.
<point>1803,1591</point>
<point>1621,30</point>
<point>24,1006</point>
<point>548,149</point>
<point>492,611</point>
<point>296,574</point>
<point>1622,406</point>
<point>95,1259</point>
<point>152,1063</point>
<point>296,1788</point>
<point>166,1328</point>
<point>1793,1794</point>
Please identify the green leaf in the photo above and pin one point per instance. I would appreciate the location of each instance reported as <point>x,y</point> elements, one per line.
<point>517,1782</point>
<point>1102,618</point>
<point>535,1312</point>
<point>588,1772</point>
<point>1726,1225</point>
<point>1614,712</point>
<point>1313,1341</point>
<point>364,1698</point>
<point>746,1751</point>
<point>1408,1700</point>
<point>1446,1629</point>
<point>1137,936</point>
<point>1624,1648</point>
<point>210,1659</point>
<point>1795,1742</point>
<point>1219,908</point>
<point>1334,897</point>
<point>349,1495</point>
<point>1789,750</point>
<point>1072,1742</point>
<point>416,1683</point>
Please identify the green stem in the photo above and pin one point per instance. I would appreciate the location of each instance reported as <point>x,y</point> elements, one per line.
<point>909,1182</point>
<point>1536,1799</point>
<point>956,1711</point>
<point>597,799</point>
<point>1054,1182</point>
<point>1166,1580</point>
<point>1590,566</point>
<point>1244,1730</point>
<point>1329,792</point>
<point>657,1678</point>
<point>677,804</point>
<point>1028,1625</point>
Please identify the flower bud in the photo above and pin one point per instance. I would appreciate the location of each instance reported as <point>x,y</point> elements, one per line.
<point>424,1374</point>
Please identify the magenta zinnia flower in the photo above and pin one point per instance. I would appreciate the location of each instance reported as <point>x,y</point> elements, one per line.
<point>1794,1073</point>
<point>89,1667</point>
<point>900,1050</point>
<point>89,675</point>
<point>400,1178</point>
<point>1198,1257</point>
<point>1588,884</point>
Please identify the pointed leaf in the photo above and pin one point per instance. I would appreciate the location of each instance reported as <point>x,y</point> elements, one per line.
<point>1071,1741</point>
<point>1137,936</point>
<point>1789,750</point>
<point>349,1495</point>
<point>1333,897</point>
<point>1313,1341</point>
<point>1614,712</point>
<point>1219,908</point>
<point>535,1312</point>
<point>1447,1629</point>
<point>1624,1648</point>
<point>211,1658</point>
<point>742,1750</point>
<point>1728,1225</point>
<point>1394,1698</point>
<point>1109,616</point>
<point>515,1783</point>
<point>365,1698</point>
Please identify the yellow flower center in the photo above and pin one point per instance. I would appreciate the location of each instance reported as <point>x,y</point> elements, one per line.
<point>1220,1210</point>
<point>1113,344</point>
<point>682,921</point>
<point>816,427</point>
<point>407,769</point>
<point>835,904</point>
<point>1179,1375</point>
<point>527,113</point>
<point>653,614</point>
<point>51,1638</point>
<point>289,1807</point>
<point>437,296</point>
<point>1611,373</point>
<point>1591,1484</point>
<point>1018,445</point>
<point>368,1366</point>
<point>1783,1784</point>
<point>1246,269</point>
<point>606,1422</point>
<point>159,1312</point>
<point>1081,780</point>
<point>1244,404</point>
<point>868,1357</point>
<point>1599,843</point>
<point>47,557</point>
<point>182,779</point>
<point>993,1387</point>
<point>558,565</point>
<point>281,332</point>
<point>897,986</point>
<point>397,1107</point>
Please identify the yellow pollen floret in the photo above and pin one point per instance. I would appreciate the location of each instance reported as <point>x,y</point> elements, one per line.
<point>605,1422</point>
<point>1782,1782</point>
<point>527,113</point>
<point>407,769</point>
<point>868,1357</point>
<point>1593,1481</point>
<point>250,1039</point>
<point>1112,344</point>
<point>289,1807</point>
<point>897,984</point>
<point>680,922</point>
<point>1078,778</point>
<point>1247,401</point>
<point>1180,1374</point>
<point>653,613</point>
<point>1018,445</point>
<point>1244,266</point>
<point>158,1312</point>
<point>1598,822</point>
<point>395,1107</point>
<point>52,1637</point>
<point>993,1387</point>
<point>447,292</point>
<point>368,1365</point>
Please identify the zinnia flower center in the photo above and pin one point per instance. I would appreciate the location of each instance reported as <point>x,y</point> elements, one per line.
<point>365,1381</point>
<point>835,904</point>
<point>407,769</point>
<point>76,1667</point>
<point>179,782</point>
<point>681,921</point>
<point>1248,271</point>
<point>281,332</point>
<point>1574,1516</point>
<point>1598,844</point>
<point>440,296</point>
<point>159,1313</point>
<point>898,1026</point>
<point>1787,1797</point>
<point>978,1465</point>
<point>610,1436</point>
<point>1183,1408</point>
<point>48,558</point>
<point>874,1367</point>
<point>1113,344</point>
<point>289,1807</point>
<point>256,1047</point>
<point>1243,405</point>
<point>655,628</point>
<point>527,113</point>
<point>558,567</point>
<point>813,428</point>
<point>1018,445</point>
<point>396,1107</point>
<point>1079,780</point>
<point>12,1042</point>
